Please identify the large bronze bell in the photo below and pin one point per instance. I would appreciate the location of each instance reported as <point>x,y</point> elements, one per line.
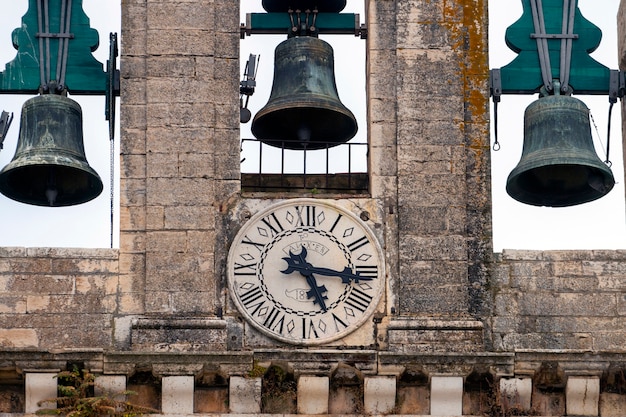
<point>322,6</point>
<point>49,167</point>
<point>559,166</point>
<point>304,111</point>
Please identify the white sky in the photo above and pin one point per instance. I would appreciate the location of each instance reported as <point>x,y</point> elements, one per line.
<point>594,225</point>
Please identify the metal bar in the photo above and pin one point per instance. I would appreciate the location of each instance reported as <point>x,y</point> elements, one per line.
<point>279,23</point>
<point>42,75</point>
<point>46,20</point>
<point>60,34</point>
<point>568,46</point>
<point>564,27</point>
<point>542,44</point>
<point>304,168</point>
<point>54,35</point>
<point>282,164</point>
<point>552,36</point>
<point>327,166</point>
<point>260,161</point>
<point>65,46</point>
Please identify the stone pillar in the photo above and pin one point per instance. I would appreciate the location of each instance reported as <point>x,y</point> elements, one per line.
<point>177,394</point>
<point>313,393</point>
<point>111,385</point>
<point>39,387</point>
<point>516,392</point>
<point>446,396</point>
<point>379,394</point>
<point>582,396</point>
<point>443,151</point>
<point>245,395</point>
<point>179,151</point>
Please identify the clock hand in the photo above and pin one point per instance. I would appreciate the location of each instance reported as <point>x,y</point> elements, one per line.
<point>299,263</point>
<point>316,291</point>
<point>346,275</point>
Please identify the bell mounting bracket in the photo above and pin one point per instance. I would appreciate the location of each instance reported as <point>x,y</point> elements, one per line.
<point>553,42</point>
<point>294,22</point>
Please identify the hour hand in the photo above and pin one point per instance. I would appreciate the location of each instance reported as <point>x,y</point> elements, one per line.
<point>318,293</point>
<point>298,263</point>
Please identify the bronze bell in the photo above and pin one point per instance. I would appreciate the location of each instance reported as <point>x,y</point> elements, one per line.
<point>322,6</point>
<point>49,167</point>
<point>559,166</point>
<point>304,110</point>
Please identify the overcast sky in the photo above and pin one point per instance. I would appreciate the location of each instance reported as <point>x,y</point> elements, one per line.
<point>599,224</point>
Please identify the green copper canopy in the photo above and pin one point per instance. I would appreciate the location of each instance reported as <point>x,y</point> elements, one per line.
<point>38,35</point>
<point>523,75</point>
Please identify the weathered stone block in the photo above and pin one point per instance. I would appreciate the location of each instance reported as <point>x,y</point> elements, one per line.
<point>313,394</point>
<point>245,395</point>
<point>163,15</point>
<point>111,385</point>
<point>612,404</point>
<point>446,396</point>
<point>379,394</point>
<point>40,387</point>
<point>19,338</point>
<point>582,395</point>
<point>177,394</point>
<point>516,393</point>
<point>180,42</point>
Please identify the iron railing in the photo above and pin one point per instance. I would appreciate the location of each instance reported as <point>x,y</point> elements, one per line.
<point>336,168</point>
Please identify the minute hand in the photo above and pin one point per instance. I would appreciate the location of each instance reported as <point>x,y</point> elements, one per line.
<point>346,275</point>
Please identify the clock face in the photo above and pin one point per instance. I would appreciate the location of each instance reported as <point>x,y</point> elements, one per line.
<point>305,272</point>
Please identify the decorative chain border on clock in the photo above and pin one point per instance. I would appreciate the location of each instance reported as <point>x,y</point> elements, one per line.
<point>280,236</point>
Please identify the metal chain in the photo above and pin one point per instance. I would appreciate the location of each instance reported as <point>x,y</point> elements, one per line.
<point>595,126</point>
<point>608,136</point>
<point>496,144</point>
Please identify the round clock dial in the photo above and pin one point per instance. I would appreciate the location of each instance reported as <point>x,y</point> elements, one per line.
<point>305,272</point>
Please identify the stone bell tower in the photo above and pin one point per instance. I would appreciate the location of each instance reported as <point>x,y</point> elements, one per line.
<point>386,299</point>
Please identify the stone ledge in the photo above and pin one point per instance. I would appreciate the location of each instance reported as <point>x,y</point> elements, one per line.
<point>59,253</point>
<point>434,363</point>
<point>267,415</point>
<point>313,361</point>
<point>561,255</point>
<point>185,323</point>
<point>175,363</point>
<point>434,324</point>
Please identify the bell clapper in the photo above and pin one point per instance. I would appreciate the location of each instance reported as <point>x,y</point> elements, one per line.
<point>304,133</point>
<point>51,187</point>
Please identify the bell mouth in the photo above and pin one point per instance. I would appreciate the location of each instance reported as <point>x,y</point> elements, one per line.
<point>307,125</point>
<point>49,184</point>
<point>559,185</point>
